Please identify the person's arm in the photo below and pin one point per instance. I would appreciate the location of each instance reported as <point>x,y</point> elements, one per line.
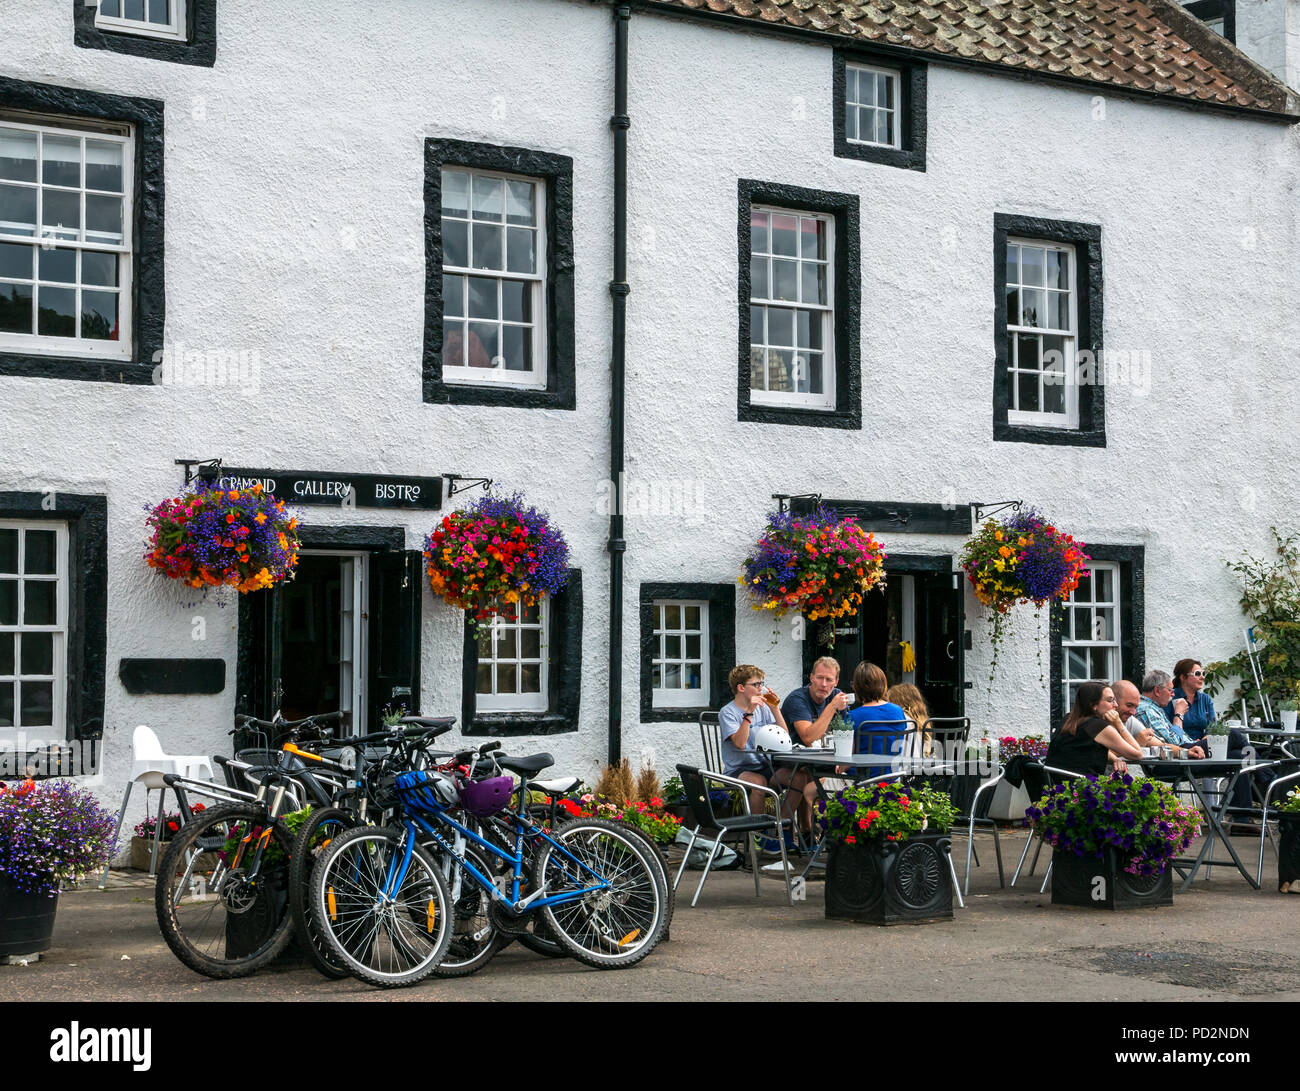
<point>812,730</point>
<point>1119,747</point>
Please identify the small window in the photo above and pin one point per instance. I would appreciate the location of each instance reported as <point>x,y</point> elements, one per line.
<point>151,18</point>
<point>791,309</point>
<point>680,666</point>
<point>33,626</point>
<point>65,239</point>
<point>493,278</point>
<point>1041,334</point>
<point>871,102</point>
<point>1219,15</point>
<point>513,659</point>
<point>1090,631</point>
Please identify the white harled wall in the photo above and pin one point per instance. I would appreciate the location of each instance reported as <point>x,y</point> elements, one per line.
<point>294,180</point>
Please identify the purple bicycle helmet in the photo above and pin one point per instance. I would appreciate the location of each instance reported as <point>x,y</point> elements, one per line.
<point>485,797</point>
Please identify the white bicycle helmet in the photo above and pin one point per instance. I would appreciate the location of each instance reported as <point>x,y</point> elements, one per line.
<point>772,737</point>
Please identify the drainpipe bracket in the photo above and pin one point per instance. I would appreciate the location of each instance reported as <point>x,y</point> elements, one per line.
<point>620,287</point>
<point>620,121</point>
<point>617,545</point>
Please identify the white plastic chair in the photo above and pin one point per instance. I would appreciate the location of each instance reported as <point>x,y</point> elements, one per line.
<point>148,767</point>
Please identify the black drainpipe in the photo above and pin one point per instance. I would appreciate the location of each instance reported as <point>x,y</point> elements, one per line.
<point>618,289</point>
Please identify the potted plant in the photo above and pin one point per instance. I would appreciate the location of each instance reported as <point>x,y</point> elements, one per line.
<point>1217,737</point>
<point>493,555</point>
<point>1289,710</point>
<point>1010,801</point>
<point>142,838</point>
<point>1021,559</point>
<point>240,538</point>
<point>51,834</point>
<point>1114,837</point>
<point>888,859</point>
<point>818,563</point>
<point>1288,849</point>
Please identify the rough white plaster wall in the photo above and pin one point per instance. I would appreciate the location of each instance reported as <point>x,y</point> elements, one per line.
<point>1263,29</point>
<point>294,212</point>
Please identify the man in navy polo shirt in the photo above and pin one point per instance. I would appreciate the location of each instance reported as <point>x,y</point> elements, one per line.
<point>810,709</point>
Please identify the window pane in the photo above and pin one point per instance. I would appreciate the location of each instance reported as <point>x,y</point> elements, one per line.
<point>785,235</point>
<point>7,704</point>
<point>8,602</point>
<point>487,243</point>
<point>759,237</point>
<point>516,301</point>
<point>780,370</point>
<point>672,617</point>
<point>61,161</point>
<point>851,121</point>
<point>780,326</point>
<point>453,296</point>
<point>483,297</point>
<point>99,315</point>
<point>453,344</point>
<point>507,678</point>
<point>38,602</point>
<point>1013,263</point>
<point>39,554</point>
<point>530,678</point>
<point>110,7</point>
<point>693,646</point>
<point>691,617</point>
<point>1031,266</point>
<point>15,308</point>
<point>1027,352</point>
<point>530,643</point>
<point>99,268</point>
<point>884,127</point>
<point>1104,579</point>
<point>519,202</point>
<point>814,284</point>
<point>885,91</point>
<point>57,312</point>
<point>158,12</point>
<point>1082,623</point>
<point>1058,269</point>
<point>58,265</point>
<point>61,212</point>
<point>656,678</point>
<point>1058,310</point>
<point>521,250</point>
<point>672,676</point>
<point>1027,388</point>
<point>757,369</point>
<point>489,198</point>
<point>785,280</point>
<point>8,551</point>
<point>455,243</point>
<point>691,678</point>
<point>1076,662</point>
<point>7,652</point>
<point>811,372</point>
<point>483,344</point>
<point>17,210</point>
<point>104,218</point>
<point>133,9</point>
<point>36,703</point>
<point>1104,626</point>
<point>672,647</point>
<point>483,678</point>
<point>1032,312</point>
<point>757,331</point>
<point>851,83</point>
<point>812,239</point>
<point>37,653</point>
<point>104,165</point>
<point>17,155</point>
<point>758,286</point>
<point>455,193</point>
<point>1101,664</point>
<point>1083,593</point>
<point>16,260</point>
<point>517,348</point>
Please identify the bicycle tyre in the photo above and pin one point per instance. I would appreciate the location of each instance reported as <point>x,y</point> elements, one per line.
<point>615,928</point>
<point>470,950</point>
<point>322,826</point>
<point>226,928</point>
<point>381,945</point>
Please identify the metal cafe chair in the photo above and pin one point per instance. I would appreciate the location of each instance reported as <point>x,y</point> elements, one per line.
<point>1264,831</point>
<point>717,828</point>
<point>711,740</point>
<point>1038,778</point>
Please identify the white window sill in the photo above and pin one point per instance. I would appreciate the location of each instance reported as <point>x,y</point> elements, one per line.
<point>123,26</point>
<point>1017,418</point>
<point>483,376</point>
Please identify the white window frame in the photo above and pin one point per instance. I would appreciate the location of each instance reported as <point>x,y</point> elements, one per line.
<point>681,697</point>
<point>896,78</point>
<point>518,702</point>
<point>175,31</point>
<point>48,344</point>
<point>1112,647</point>
<point>1069,418</point>
<point>498,375</point>
<point>57,728</point>
<point>787,399</point>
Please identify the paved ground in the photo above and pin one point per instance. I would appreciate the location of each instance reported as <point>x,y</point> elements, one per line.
<point>1221,941</point>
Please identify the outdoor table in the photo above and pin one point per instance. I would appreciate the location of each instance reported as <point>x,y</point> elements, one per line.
<point>1192,770</point>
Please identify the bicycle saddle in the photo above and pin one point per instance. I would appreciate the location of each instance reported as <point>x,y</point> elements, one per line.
<point>529,766</point>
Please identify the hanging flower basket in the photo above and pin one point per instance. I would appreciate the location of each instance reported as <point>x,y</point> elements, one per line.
<point>819,564</point>
<point>495,554</point>
<point>242,538</point>
<point>1021,559</point>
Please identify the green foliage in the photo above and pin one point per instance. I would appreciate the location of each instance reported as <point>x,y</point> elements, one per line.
<point>1270,596</point>
<point>890,812</point>
<point>673,791</point>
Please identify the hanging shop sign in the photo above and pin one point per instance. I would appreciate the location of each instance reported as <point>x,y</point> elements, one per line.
<point>339,490</point>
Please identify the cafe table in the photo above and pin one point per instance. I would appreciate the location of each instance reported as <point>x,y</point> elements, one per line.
<point>1194,770</point>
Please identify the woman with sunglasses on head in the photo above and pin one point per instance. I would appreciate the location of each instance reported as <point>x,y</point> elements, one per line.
<point>1191,708</point>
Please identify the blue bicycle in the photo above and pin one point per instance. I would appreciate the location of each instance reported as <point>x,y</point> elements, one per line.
<point>382,899</point>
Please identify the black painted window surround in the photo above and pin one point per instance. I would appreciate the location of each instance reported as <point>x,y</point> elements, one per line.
<point>1131,560</point>
<point>557,172</point>
<point>1086,240</point>
<point>86,517</point>
<point>199,46</point>
<point>843,208</point>
<point>1211,10</point>
<point>564,677</point>
<point>910,111</point>
<point>721,599</point>
<point>148,294</point>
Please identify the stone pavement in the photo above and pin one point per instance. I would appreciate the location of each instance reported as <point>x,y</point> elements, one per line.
<point>1221,941</point>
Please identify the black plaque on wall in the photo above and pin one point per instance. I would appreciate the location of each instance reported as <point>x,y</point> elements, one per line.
<point>141,677</point>
<point>339,490</point>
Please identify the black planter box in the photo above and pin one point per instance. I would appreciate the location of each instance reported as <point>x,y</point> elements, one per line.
<point>26,920</point>
<point>250,926</point>
<point>1288,850</point>
<point>890,882</point>
<point>1098,882</point>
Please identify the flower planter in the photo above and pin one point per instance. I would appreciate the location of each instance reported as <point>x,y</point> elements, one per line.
<point>1009,802</point>
<point>1288,850</point>
<point>890,882</point>
<point>249,926</point>
<point>1288,717</point>
<point>1218,747</point>
<point>1097,882</point>
<point>142,850</point>
<point>26,920</point>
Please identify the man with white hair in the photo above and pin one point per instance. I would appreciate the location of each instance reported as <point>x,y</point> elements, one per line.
<point>1157,692</point>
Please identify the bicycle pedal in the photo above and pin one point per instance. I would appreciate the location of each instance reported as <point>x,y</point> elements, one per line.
<point>508,922</point>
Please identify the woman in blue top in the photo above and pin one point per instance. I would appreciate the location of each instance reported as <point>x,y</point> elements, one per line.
<point>1191,707</point>
<point>878,725</point>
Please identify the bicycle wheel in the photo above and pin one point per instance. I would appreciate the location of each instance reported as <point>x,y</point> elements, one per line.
<point>216,917</point>
<point>385,941</point>
<point>322,826</point>
<point>614,927</point>
<point>474,938</point>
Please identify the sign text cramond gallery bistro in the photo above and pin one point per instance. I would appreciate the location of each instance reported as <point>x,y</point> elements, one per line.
<point>339,490</point>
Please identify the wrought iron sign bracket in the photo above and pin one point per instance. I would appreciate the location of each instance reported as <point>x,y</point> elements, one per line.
<point>980,512</point>
<point>456,483</point>
<point>783,499</point>
<point>209,469</point>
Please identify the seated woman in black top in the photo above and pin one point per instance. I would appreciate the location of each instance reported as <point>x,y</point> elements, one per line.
<point>1091,734</point>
